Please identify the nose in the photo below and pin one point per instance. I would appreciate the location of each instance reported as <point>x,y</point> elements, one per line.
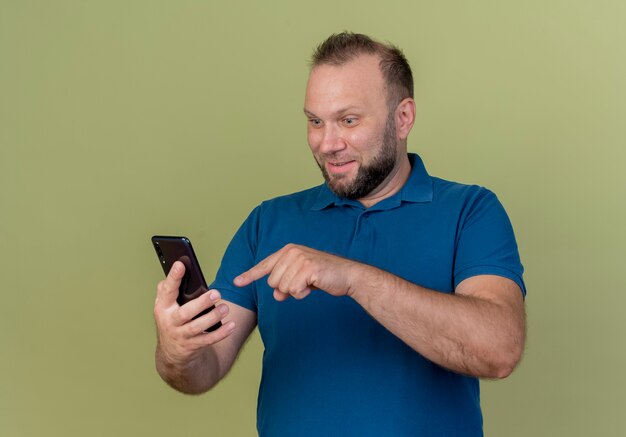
<point>330,139</point>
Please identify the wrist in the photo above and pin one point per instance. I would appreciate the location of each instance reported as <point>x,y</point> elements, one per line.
<point>180,373</point>
<point>359,280</point>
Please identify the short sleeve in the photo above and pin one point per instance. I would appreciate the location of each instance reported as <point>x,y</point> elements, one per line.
<point>240,256</point>
<point>486,243</point>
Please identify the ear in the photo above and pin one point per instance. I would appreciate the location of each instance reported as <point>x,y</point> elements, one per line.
<point>405,117</point>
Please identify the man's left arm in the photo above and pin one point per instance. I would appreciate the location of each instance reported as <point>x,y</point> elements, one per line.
<point>479,330</point>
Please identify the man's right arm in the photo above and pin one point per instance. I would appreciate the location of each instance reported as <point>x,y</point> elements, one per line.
<point>187,358</point>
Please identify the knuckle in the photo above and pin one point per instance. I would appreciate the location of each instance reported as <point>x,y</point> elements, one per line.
<point>208,321</point>
<point>192,329</point>
<point>161,315</point>
<point>178,315</point>
<point>292,249</point>
<point>182,314</point>
<point>273,282</point>
<point>168,287</point>
<point>282,284</point>
<point>164,326</point>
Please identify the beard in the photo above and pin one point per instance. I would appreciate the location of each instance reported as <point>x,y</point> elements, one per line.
<point>369,176</point>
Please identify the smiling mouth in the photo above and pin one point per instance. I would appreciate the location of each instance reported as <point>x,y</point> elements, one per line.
<point>339,168</point>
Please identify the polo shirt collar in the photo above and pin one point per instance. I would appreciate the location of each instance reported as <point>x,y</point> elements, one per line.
<point>418,188</point>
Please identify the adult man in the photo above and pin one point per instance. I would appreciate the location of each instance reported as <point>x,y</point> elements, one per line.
<point>407,288</point>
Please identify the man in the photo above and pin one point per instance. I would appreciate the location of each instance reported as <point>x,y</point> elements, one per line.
<point>405,288</point>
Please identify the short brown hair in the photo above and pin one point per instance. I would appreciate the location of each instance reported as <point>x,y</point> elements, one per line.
<point>340,48</point>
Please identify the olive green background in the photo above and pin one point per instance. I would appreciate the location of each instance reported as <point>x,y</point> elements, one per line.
<point>122,119</point>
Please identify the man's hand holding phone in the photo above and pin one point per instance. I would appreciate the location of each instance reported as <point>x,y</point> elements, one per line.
<point>182,340</point>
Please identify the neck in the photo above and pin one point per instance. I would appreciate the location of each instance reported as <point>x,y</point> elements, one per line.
<point>391,185</point>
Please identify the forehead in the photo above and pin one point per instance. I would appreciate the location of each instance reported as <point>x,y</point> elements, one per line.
<point>358,82</point>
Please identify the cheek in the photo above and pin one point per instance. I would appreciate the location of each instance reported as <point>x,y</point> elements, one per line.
<point>361,140</point>
<point>313,138</point>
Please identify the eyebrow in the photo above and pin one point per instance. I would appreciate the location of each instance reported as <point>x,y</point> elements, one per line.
<point>339,111</point>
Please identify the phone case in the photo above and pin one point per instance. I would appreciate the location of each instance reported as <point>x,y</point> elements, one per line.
<point>170,249</point>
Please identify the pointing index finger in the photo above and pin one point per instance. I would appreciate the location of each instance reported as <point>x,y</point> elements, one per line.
<point>263,268</point>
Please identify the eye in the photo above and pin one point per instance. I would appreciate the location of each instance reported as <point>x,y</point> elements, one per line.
<point>315,122</point>
<point>350,121</point>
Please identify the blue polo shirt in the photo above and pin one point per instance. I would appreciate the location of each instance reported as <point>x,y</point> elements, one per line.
<point>329,368</point>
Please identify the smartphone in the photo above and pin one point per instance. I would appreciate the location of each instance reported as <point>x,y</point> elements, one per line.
<point>171,249</point>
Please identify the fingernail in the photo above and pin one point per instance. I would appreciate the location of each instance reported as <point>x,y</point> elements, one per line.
<point>238,280</point>
<point>223,309</point>
<point>213,295</point>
